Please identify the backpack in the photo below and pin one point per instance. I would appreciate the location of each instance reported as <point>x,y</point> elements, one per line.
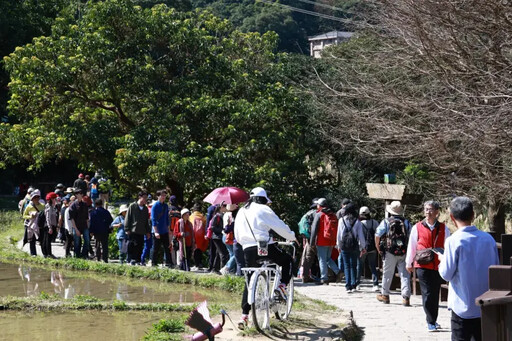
<point>349,241</point>
<point>94,190</point>
<point>305,223</point>
<point>330,227</point>
<point>396,239</point>
<point>369,234</point>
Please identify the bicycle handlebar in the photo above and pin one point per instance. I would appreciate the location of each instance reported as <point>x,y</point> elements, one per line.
<point>292,244</point>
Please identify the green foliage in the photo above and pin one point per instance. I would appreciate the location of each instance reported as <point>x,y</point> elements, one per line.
<point>171,98</point>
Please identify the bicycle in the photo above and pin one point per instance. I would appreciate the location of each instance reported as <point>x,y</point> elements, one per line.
<point>263,292</point>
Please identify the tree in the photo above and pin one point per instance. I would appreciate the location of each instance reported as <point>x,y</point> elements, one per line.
<point>429,84</point>
<point>158,97</point>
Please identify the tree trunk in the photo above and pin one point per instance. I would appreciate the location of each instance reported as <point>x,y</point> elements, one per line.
<point>496,218</point>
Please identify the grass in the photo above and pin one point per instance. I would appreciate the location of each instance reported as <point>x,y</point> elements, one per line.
<point>54,303</point>
<point>11,231</point>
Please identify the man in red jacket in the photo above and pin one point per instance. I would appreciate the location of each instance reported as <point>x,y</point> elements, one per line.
<point>428,233</point>
<point>323,236</point>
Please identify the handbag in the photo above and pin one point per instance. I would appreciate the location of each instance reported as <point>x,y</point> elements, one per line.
<point>426,256</point>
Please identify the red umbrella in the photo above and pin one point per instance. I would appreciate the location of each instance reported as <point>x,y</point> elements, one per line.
<point>230,195</point>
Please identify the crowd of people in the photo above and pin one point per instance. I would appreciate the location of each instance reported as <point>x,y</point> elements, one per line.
<point>228,238</point>
<point>426,247</point>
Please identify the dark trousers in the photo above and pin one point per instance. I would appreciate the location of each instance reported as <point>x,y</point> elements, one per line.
<point>277,256</point>
<point>222,251</point>
<point>466,329</point>
<point>46,241</point>
<point>69,243</point>
<point>187,256</point>
<point>239,258</point>
<point>372,262</point>
<point>198,258</point>
<point>32,244</point>
<point>101,246</point>
<point>135,247</point>
<point>430,284</point>
<point>213,261</point>
<point>156,250</point>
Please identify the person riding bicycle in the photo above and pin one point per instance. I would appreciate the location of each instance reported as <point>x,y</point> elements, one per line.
<point>252,230</point>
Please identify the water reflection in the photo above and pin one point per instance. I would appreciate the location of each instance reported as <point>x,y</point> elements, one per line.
<point>24,280</point>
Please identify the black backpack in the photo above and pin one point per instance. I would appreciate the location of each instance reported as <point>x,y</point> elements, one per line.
<point>349,241</point>
<point>369,234</point>
<point>396,240</point>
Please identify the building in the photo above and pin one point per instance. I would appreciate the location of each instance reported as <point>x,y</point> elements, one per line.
<point>319,42</point>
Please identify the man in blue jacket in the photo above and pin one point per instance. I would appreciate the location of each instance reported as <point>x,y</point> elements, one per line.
<point>160,229</point>
<point>100,229</point>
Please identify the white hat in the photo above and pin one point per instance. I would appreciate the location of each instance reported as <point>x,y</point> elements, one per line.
<point>322,202</point>
<point>364,210</point>
<point>35,193</point>
<point>259,192</point>
<point>123,208</point>
<point>395,208</point>
<point>184,211</point>
<point>69,190</point>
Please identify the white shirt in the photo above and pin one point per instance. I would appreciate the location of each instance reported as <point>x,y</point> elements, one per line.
<point>68,222</point>
<point>413,243</point>
<point>260,219</point>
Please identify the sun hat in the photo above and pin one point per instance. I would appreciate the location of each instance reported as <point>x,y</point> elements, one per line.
<point>364,210</point>
<point>30,190</point>
<point>259,192</point>
<point>395,208</point>
<point>50,196</point>
<point>69,190</point>
<point>35,193</point>
<point>184,211</point>
<point>123,208</point>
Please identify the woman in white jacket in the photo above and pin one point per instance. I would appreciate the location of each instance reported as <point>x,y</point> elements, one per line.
<point>252,225</point>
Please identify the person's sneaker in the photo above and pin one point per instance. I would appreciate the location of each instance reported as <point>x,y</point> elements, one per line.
<point>349,291</point>
<point>438,326</point>
<point>194,268</point>
<point>375,288</point>
<point>244,321</point>
<point>383,298</point>
<point>224,271</point>
<point>406,302</point>
<point>281,291</point>
<point>358,287</point>
<point>431,327</point>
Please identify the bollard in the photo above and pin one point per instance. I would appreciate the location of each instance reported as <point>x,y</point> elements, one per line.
<point>496,305</point>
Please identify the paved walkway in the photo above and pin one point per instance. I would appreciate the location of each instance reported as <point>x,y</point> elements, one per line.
<point>381,321</point>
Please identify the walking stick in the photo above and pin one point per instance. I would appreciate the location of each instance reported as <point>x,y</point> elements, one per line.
<point>182,226</point>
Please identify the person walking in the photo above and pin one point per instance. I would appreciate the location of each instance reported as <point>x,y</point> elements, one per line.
<point>308,259</point>
<point>137,226</point>
<point>101,219</point>
<point>425,235</point>
<point>252,230</point>
<point>323,236</point>
<point>50,226</point>
<point>160,229</point>
<point>351,243</point>
<point>394,232</point>
<point>198,221</point>
<point>81,184</point>
<point>369,226</point>
<point>79,215</point>
<point>30,214</point>
<point>184,232</point>
<point>217,225</point>
<point>468,254</point>
<point>121,236</point>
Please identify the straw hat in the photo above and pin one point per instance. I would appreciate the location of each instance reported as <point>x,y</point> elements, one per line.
<point>123,208</point>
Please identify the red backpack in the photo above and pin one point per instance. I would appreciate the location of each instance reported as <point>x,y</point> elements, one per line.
<point>330,227</point>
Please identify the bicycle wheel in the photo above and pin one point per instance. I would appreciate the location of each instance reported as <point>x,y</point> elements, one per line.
<point>260,307</point>
<point>283,308</point>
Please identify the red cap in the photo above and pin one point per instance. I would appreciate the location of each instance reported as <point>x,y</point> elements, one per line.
<point>51,196</point>
<point>81,175</point>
